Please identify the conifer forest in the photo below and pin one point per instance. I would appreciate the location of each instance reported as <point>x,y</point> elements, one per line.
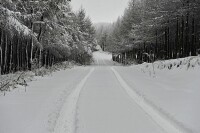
<point>152,30</point>
<point>36,33</point>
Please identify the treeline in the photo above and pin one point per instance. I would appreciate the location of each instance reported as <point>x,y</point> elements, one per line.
<point>37,33</point>
<point>152,30</point>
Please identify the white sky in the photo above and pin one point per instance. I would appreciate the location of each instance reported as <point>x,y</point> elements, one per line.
<point>101,10</point>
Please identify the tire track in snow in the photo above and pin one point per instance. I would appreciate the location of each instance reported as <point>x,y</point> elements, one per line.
<point>169,124</point>
<point>67,118</point>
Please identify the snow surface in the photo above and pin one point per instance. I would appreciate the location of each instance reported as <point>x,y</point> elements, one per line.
<point>66,123</point>
<point>171,87</point>
<point>155,113</point>
<point>106,97</point>
<point>103,59</point>
<point>104,107</point>
<point>37,109</point>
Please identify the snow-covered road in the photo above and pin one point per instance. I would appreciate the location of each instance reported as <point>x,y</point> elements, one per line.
<point>101,98</point>
<point>104,107</point>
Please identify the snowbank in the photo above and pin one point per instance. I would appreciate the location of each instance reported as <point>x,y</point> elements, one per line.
<point>181,64</point>
<point>13,80</point>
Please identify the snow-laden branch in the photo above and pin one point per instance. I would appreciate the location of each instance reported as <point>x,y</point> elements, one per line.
<point>9,20</point>
<point>32,16</point>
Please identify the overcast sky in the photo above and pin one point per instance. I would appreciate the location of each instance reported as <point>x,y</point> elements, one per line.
<point>101,10</point>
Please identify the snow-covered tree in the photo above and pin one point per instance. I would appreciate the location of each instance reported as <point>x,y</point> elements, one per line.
<point>42,32</point>
<point>164,29</point>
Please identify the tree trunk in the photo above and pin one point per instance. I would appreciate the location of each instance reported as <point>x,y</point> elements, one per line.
<point>187,47</point>
<point>193,47</point>
<point>11,56</point>
<point>27,55</point>
<point>177,52</point>
<point>5,54</point>
<point>1,52</point>
<point>18,60</point>
<point>166,43</point>
<point>182,38</point>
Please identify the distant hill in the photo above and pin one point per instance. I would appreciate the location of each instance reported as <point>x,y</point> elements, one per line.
<point>102,28</point>
<point>102,24</point>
